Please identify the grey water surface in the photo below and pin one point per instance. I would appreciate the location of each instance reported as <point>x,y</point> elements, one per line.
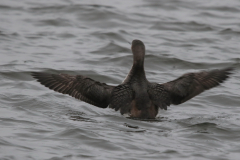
<point>91,38</point>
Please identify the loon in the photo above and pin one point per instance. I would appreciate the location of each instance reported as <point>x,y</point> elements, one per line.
<point>136,96</point>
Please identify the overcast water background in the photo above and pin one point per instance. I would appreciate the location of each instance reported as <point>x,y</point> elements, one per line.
<point>92,38</point>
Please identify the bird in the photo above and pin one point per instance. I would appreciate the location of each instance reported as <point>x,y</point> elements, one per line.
<point>135,96</point>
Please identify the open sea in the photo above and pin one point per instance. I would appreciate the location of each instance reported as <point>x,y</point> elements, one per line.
<point>91,38</point>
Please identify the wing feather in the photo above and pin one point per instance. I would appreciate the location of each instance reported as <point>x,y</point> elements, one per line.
<point>191,84</point>
<point>186,87</point>
<point>80,87</point>
<point>121,98</point>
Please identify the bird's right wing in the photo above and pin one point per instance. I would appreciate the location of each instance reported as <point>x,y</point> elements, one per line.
<point>191,84</point>
<point>186,87</point>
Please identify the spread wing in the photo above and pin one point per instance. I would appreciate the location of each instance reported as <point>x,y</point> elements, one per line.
<point>188,86</point>
<point>80,87</point>
<point>121,98</point>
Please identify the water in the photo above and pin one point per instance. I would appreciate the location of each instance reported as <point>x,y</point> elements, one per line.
<point>91,38</point>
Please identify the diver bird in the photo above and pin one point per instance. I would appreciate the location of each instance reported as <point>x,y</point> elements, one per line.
<point>136,96</point>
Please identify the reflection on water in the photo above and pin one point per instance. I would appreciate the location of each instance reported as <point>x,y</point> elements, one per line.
<point>91,38</point>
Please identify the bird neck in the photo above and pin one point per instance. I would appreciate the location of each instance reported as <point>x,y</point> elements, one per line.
<point>137,70</point>
<point>138,64</point>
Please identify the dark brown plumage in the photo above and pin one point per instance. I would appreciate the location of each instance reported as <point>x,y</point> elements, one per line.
<point>136,95</point>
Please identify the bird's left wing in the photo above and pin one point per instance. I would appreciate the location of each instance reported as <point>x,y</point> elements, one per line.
<point>80,87</point>
<point>121,98</point>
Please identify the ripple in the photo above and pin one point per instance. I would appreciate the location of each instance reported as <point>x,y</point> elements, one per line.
<point>54,22</point>
<point>222,8</point>
<point>109,36</point>
<point>182,26</point>
<point>9,8</point>
<point>229,31</point>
